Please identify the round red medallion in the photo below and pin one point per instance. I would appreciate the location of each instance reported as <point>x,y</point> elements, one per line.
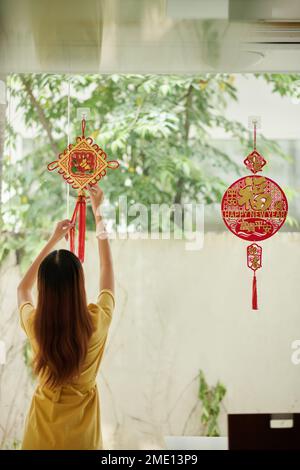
<point>254,208</point>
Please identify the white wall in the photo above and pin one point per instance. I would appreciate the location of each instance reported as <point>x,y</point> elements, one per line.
<point>280,117</point>
<point>179,311</point>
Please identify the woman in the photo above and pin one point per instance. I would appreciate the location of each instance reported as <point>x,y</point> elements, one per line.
<point>68,338</point>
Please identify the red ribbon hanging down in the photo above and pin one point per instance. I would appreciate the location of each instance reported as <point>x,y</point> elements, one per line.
<point>83,124</point>
<point>254,293</point>
<point>80,210</point>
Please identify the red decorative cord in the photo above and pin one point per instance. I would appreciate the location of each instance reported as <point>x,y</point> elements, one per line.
<point>80,208</point>
<point>81,228</point>
<point>254,293</point>
<point>72,231</point>
<point>83,123</point>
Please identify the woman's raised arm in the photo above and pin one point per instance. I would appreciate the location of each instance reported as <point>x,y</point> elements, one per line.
<point>26,284</point>
<point>105,257</point>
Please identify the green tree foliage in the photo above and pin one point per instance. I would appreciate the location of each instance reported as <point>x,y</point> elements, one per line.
<point>158,127</point>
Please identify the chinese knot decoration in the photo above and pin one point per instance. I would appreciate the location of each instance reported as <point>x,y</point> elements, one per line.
<point>81,164</point>
<point>254,208</point>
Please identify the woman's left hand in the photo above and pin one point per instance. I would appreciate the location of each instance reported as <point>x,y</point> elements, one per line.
<point>62,230</point>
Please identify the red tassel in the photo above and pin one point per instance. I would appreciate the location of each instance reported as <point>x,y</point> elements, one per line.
<point>72,231</point>
<point>72,240</point>
<point>81,208</point>
<point>254,293</point>
<point>81,229</point>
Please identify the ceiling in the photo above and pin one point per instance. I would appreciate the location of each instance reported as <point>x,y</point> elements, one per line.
<point>149,36</point>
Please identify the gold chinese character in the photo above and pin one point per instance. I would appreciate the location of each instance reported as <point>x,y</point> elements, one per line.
<point>255,262</point>
<point>231,197</point>
<point>247,227</point>
<point>278,206</point>
<point>252,250</point>
<point>253,195</point>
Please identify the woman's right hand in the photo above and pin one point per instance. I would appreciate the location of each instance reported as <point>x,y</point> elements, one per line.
<point>62,230</point>
<point>97,196</point>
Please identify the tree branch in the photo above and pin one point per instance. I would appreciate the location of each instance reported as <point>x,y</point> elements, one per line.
<point>40,112</point>
<point>187,125</point>
<point>188,104</point>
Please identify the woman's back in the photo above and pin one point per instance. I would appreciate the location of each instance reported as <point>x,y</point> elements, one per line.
<point>68,339</point>
<point>67,416</point>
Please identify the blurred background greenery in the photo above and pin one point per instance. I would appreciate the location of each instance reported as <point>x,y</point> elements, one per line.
<point>157,127</point>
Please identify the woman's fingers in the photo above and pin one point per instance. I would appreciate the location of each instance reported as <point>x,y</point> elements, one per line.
<point>65,221</point>
<point>91,189</point>
<point>67,229</point>
<point>65,225</point>
<point>69,226</point>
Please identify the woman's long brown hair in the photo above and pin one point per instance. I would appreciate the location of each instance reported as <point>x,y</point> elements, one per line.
<point>63,324</point>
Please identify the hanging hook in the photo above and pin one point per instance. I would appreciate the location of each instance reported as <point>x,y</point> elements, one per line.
<point>254,123</point>
<point>83,124</point>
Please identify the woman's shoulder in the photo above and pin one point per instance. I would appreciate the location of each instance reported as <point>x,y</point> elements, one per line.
<point>27,311</point>
<point>102,310</point>
<point>105,301</point>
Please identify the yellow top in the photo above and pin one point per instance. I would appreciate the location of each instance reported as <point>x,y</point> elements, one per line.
<point>68,417</point>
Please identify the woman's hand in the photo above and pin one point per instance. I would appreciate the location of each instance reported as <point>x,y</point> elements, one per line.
<point>61,230</point>
<point>97,196</point>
